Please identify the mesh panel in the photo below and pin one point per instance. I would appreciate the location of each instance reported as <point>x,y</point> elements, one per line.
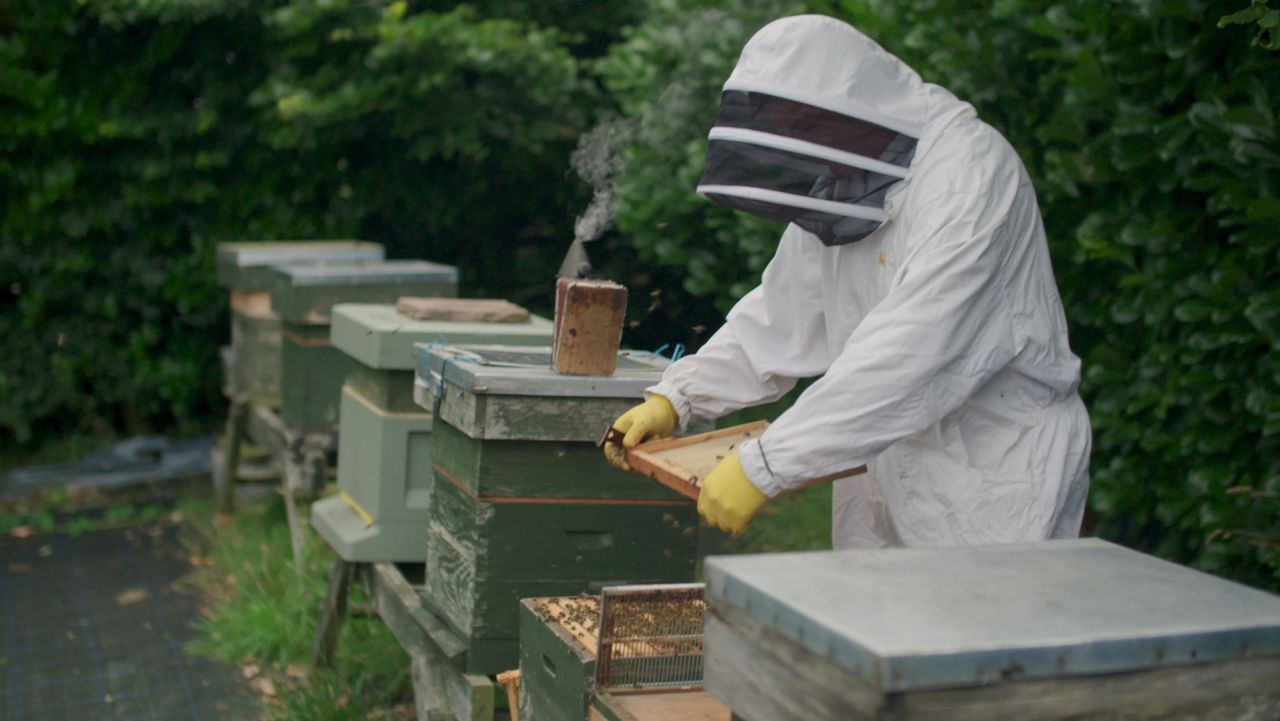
<point>779,116</point>
<point>650,636</point>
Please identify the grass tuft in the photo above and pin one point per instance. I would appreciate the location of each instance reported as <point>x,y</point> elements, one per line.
<point>262,616</point>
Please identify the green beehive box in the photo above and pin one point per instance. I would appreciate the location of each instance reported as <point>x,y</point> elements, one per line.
<point>244,268</point>
<point>484,556</point>
<point>385,440</point>
<point>557,659</point>
<point>523,504</point>
<point>313,371</point>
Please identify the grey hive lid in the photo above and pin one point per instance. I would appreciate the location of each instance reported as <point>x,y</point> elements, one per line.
<point>513,370</point>
<point>378,272</point>
<point>246,265</point>
<point>380,337</point>
<point>908,619</point>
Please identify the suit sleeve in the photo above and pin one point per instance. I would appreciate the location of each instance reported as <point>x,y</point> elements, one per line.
<point>772,337</point>
<point>942,331</point>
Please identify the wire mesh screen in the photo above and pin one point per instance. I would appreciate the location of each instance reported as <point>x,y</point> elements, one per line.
<point>650,636</point>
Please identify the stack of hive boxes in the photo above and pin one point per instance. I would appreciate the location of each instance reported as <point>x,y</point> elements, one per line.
<point>313,371</point>
<point>523,503</point>
<point>384,446</point>
<point>253,367</point>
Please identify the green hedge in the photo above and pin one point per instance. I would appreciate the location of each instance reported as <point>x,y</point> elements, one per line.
<point>1150,132</point>
<point>140,133</point>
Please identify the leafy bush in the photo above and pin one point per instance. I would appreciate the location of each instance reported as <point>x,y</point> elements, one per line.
<point>1151,135</point>
<point>140,133</point>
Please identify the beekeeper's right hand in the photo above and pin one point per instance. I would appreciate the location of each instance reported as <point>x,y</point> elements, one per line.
<point>655,418</point>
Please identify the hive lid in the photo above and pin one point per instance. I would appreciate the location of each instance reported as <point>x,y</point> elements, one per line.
<point>512,370</point>
<point>246,265</point>
<point>909,619</point>
<point>380,337</point>
<point>376,272</point>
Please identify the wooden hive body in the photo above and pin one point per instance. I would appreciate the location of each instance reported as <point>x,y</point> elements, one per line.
<point>1045,631</point>
<point>245,269</point>
<point>312,369</point>
<point>557,658</point>
<point>523,504</point>
<point>386,441</point>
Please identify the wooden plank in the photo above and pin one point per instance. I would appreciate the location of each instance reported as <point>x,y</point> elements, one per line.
<point>682,464</point>
<point>440,686</point>
<point>535,469</point>
<point>588,326</point>
<point>664,705</point>
<point>472,310</point>
<point>333,613</point>
<point>768,677</point>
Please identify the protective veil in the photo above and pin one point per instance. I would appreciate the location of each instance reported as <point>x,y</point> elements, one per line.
<point>915,279</point>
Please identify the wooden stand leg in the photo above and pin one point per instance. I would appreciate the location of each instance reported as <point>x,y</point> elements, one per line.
<point>333,613</point>
<point>297,525</point>
<point>225,475</point>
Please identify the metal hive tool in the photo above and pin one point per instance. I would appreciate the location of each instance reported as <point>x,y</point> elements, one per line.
<point>650,636</point>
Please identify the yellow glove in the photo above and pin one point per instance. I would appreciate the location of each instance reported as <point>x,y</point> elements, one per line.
<point>655,418</point>
<point>729,500</point>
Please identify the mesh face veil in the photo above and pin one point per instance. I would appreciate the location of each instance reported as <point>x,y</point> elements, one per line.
<point>790,161</point>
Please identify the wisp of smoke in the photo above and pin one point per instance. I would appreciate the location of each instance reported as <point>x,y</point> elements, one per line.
<point>596,159</point>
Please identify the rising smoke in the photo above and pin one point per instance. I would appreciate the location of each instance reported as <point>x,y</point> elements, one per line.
<point>596,159</point>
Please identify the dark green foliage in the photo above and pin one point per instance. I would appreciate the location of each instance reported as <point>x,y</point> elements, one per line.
<point>140,133</point>
<point>1151,135</point>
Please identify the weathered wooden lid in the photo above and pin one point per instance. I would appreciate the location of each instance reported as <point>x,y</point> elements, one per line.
<point>380,337</point>
<point>246,265</point>
<point>511,370</point>
<point>908,619</point>
<point>374,272</point>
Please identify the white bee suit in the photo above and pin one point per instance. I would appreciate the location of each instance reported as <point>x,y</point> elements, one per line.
<point>933,319</point>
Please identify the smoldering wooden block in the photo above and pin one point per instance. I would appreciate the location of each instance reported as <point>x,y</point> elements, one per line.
<point>589,316</point>
<point>1044,631</point>
<point>483,556</point>
<point>385,440</point>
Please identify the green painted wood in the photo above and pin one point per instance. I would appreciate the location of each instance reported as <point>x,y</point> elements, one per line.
<point>482,558</point>
<point>556,672</point>
<point>535,418</point>
<point>384,461</point>
<point>246,265</point>
<point>311,378</point>
<point>391,390</point>
<point>256,371</point>
<point>536,469</point>
<point>380,337</point>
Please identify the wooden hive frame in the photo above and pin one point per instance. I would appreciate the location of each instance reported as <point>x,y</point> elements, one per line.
<point>682,464</point>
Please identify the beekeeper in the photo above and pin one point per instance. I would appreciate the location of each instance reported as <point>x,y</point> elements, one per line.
<point>913,277</point>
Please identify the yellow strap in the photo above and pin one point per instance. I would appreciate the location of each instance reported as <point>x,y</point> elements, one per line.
<point>351,502</point>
